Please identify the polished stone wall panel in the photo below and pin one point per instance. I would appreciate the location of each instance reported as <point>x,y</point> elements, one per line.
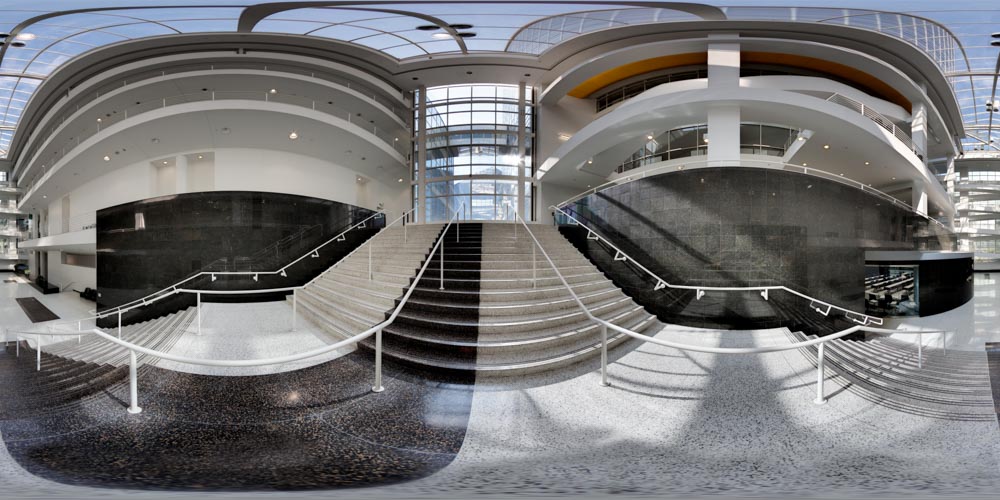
<point>737,226</point>
<point>145,246</point>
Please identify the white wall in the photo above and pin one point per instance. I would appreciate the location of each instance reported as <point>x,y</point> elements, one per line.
<point>552,194</point>
<point>224,170</point>
<point>566,117</point>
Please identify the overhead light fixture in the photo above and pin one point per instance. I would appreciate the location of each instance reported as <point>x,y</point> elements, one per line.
<point>400,179</point>
<point>841,174</point>
<point>893,178</point>
<point>200,157</point>
<point>441,36</point>
<point>590,161</point>
<point>164,162</point>
<point>804,164</point>
<point>107,158</point>
<point>99,120</point>
<point>564,137</point>
<point>272,91</point>
<point>27,37</point>
<point>826,146</point>
<point>649,137</point>
<point>294,135</point>
<point>45,196</point>
<point>867,163</point>
<point>801,137</point>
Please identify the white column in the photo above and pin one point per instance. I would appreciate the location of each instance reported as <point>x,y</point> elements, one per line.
<point>181,174</point>
<point>421,158</point>
<point>723,119</point>
<point>918,196</point>
<point>723,61</point>
<point>918,129</point>
<point>724,135</point>
<point>521,134</point>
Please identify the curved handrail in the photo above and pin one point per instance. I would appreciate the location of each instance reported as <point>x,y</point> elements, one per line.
<point>661,283</point>
<point>376,330</point>
<point>778,165</point>
<point>173,289</point>
<point>280,271</point>
<point>821,341</point>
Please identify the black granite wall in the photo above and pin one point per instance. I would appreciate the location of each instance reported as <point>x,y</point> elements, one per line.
<point>145,246</point>
<point>738,226</point>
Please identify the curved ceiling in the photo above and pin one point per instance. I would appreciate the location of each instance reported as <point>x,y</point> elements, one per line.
<point>45,34</point>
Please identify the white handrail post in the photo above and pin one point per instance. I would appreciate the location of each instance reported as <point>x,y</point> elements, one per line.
<point>378,362</point>
<point>404,230</point>
<point>198,306</point>
<point>821,358</point>
<point>944,341</point>
<point>295,307</point>
<point>38,353</point>
<point>119,323</point>
<point>534,267</point>
<point>920,350</point>
<point>604,355</point>
<point>441,257</point>
<point>133,384</point>
<point>370,273</point>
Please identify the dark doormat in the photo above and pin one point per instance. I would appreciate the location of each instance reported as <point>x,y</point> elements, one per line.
<point>36,311</point>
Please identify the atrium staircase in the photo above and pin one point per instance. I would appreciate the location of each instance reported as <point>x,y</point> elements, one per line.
<point>344,301</point>
<point>953,385</point>
<point>492,317</point>
<point>159,334</point>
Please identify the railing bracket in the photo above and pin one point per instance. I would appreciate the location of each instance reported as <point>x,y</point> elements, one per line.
<point>315,255</point>
<point>620,256</point>
<point>819,309</point>
<point>213,279</point>
<point>255,277</point>
<point>592,235</point>
<point>763,293</point>
<point>284,274</point>
<point>660,285</point>
<point>699,294</point>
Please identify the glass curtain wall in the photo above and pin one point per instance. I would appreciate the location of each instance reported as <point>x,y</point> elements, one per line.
<point>474,152</point>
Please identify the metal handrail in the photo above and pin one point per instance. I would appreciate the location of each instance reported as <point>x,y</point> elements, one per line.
<point>778,165</point>
<point>821,341</point>
<point>311,253</point>
<point>824,308</point>
<point>375,330</point>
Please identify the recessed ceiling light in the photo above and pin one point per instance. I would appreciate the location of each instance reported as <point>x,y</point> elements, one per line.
<point>400,179</point>
<point>98,120</point>
<point>649,137</point>
<point>867,163</point>
<point>893,178</point>
<point>200,157</point>
<point>802,138</point>
<point>826,146</point>
<point>841,174</point>
<point>25,36</point>
<point>44,196</point>
<point>272,91</point>
<point>17,44</point>
<point>294,135</point>
<point>460,26</point>
<point>441,36</point>
<point>804,164</point>
<point>428,27</point>
<point>466,34</point>
<point>107,158</point>
<point>590,162</point>
<point>359,179</point>
<point>564,137</point>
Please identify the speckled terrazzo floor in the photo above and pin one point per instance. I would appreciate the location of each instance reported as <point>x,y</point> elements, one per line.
<point>673,424</point>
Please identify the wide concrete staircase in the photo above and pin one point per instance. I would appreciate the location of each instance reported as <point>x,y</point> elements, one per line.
<point>346,300</point>
<point>159,334</point>
<point>492,316</point>
<point>953,385</point>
